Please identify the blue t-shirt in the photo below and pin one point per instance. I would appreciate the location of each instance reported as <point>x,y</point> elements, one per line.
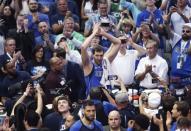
<point>173,127</point>
<point>108,107</point>
<point>79,126</point>
<point>59,19</point>
<point>34,26</point>
<point>72,6</point>
<point>46,2</point>
<point>48,53</point>
<point>144,17</point>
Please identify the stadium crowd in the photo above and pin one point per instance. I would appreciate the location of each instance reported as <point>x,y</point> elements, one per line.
<point>95,65</point>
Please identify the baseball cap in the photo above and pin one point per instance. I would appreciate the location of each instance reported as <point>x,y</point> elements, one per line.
<point>187,25</point>
<point>121,96</point>
<point>154,99</point>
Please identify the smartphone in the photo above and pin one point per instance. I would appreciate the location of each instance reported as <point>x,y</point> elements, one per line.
<point>123,41</point>
<point>125,15</point>
<point>103,24</point>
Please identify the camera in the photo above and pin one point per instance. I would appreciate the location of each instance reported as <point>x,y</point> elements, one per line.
<point>34,83</point>
<point>19,87</point>
<point>123,41</point>
<point>65,90</point>
<point>112,77</point>
<point>105,24</point>
<point>14,89</point>
<point>125,15</point>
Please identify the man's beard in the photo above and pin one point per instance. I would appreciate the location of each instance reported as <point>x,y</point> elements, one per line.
<point>33,10</point>
<point>185,37</point>
<point>89,118</point>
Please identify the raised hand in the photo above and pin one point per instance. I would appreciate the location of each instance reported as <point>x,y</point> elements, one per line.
<point>101,31</point>
<point>131,123</point>
<point>46,37</point>
<point>96,28</point>
<point>26,24</point>
<point>158,121</point>
<point>17,55</point>
<point>130,41</point>
<point>28,89</point>
<point>2,21</point>
<point>168,118</point>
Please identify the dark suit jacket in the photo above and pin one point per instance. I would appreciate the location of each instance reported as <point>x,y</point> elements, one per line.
<point>75,75</point>
<point>24,42</point>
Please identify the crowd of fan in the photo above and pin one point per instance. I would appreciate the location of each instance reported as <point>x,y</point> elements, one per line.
<point>95,65</point>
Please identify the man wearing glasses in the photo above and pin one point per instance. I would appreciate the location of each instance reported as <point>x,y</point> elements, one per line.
<point>181,56</point>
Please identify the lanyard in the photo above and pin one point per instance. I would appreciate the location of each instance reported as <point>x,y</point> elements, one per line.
<point>183,49</point>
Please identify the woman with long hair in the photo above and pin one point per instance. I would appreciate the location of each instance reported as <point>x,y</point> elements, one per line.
<point>37,67</point>
<point>7,20</point>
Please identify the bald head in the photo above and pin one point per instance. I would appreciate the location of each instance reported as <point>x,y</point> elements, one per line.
<point>114,113</point>
<point>114,120</point>
<point>53,60</point>
<point>56,64</point>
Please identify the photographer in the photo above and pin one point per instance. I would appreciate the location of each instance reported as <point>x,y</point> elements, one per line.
<point>149,105</point>
<point>100,17</point>
<point>13,76</point>
<point>66,75</point>
<point>126,23</point>
<point>32,93</point>
<point>31,99</point>
<point>125,108</point>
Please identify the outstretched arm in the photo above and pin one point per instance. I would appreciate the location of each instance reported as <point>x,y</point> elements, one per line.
<point>39,100</point>
<point>114,48</point>
<point>87,65</point>
<point>21,99</point>
<point>137,47</point>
